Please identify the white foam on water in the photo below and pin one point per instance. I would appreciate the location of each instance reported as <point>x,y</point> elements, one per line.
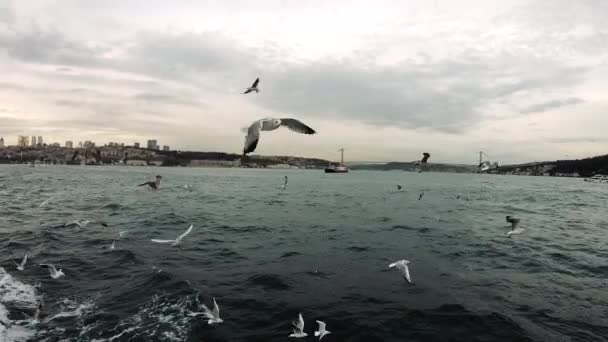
<point>17,296</point>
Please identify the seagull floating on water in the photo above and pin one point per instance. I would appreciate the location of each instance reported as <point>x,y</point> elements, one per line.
<point>401,265</point>
<point>55,274</point>
<point>270,124</point>
<point>213,315</point>
<point>298,330</point>
<point>322,332</point>
<point>21,266</point>
<point>254,87</point>
<point>177,240</point>
<point>515,229</point>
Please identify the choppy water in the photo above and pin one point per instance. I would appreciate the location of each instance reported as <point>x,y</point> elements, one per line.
<point>320,248</point>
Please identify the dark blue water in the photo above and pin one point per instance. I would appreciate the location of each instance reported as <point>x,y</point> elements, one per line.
<point>322,248</point>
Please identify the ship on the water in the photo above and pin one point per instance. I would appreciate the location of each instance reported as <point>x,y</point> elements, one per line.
<point>341,168</point>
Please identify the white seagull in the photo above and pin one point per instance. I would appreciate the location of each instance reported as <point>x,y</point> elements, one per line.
<point>55,274</point>
<point>270,124</point>
<point>21,266</point>
<point>213,315</point>
<point>45,202</point>
<point>515,228</point>
<point>402,266</point>
<point>113,246</point>
<point>79,223</point>
<point>254,87</point>
<point>177,240</point>
<point>298,330</point>
<point>322,332</point>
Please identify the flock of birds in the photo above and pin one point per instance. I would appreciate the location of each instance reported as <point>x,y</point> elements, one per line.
<point>251,142</point>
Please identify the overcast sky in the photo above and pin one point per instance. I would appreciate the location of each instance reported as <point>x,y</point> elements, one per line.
<point>521,80</point>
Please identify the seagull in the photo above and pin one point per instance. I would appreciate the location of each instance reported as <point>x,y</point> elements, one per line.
<point>79,223</point>
<point>45,202</point>
<point>322,332</point>
<point>254,87</point>
<point>113,246</point>
<point>188,187</point>
<point>53,271</point>
<point>425,158</point>
<point>298,331</point>
<point>213,315</point>
<point>399,187</point>
<point>21,266</point>
<point>402,266</point>
<point>421,194</point>
<point>270,124</point>
<point>515,229</point>
<point>177,240</point>
<point>122,233</point>
<point>284,187</point>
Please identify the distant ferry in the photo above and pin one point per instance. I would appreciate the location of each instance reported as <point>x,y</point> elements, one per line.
<point>597,179</point>
<point>338,168</point>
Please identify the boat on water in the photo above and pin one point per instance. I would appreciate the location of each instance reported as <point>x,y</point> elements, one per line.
<point>341,168</point>
<point>597,179</point>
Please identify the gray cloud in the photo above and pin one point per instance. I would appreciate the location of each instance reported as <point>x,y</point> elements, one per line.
<point>553,104</point>
<point>168,99</point>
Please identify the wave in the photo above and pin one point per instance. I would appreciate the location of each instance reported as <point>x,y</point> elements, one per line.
<point>17,300</point>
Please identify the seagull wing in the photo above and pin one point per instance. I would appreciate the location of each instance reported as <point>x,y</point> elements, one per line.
<point>247,91</point>
<point>216,309</point>
<point>300,323</point>
<point>321,326</point>
<point>426,157</point>
<point>255,83</point>
<point>186,232</point>
<point>24,261</point>
<point>208,313</point>
<point>297,126</point>
<point>162,241</point>
<point>253,136</point>
<point>406,273</point>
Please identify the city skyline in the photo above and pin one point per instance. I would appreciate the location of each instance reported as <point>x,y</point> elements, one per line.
<point>522,80</point>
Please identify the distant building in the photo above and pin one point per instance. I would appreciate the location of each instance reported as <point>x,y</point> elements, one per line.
<point>1,142</point>
<point>166,148</point>
<point>215,163</point>
<point>136,145</point>
<point>152,144</point>
<point>80,144</point>
<point>55,144</point>
<point>40,140</point>
<point>33,141</point>
<point>89,144</point>
<point>69,144</point>
<point>23,141</point>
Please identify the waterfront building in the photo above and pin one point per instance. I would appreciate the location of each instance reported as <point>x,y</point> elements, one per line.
<point>33,141</point>
<point>166,148</point>
<point>153,144</point>
<point>23,141</point>
<point>40,140</point>
<point>136,145</point>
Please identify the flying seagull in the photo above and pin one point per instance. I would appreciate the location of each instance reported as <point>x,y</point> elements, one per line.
<point>322,332</point>
<point>177,240</point>
<point>401,265</point>
<point>420,196</point>
<point>21,266</point>
<point>425,158</point>
<point>515,228</point>
<point>284,187</point>
<point>213,315</point>
<point>254,87</point>
<point>399,187</point>
<point>270,124</point>
<point>298,330</point>
<point>55,274</point>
